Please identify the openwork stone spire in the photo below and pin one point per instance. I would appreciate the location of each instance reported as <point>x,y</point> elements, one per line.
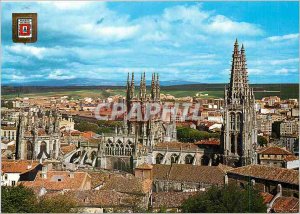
<point>238,91</point>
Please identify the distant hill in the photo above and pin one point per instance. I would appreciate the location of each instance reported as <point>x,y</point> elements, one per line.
<point>284,91</point>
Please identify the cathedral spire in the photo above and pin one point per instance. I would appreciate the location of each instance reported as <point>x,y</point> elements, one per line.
<point>132,86</point>
<point>143,86</point>
<point>157,87</point>
<point>153,87</point>
<point>128,88</point>
<point>238,86</point>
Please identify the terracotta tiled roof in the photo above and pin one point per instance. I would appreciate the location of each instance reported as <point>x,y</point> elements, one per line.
<point>225,168</point>
<point>161,171</point>
<point>144,166</point>
<point>208,142</point>
<point>75,133</point>
<point>59,180</point>
<point>102,198</point>
<point>127,184</point>
<point>176,145</point>
<point>20,166</point>
<point>267,197</point>
<point>274,150</point>
<point>189,173</point>
<point>268,173</point>
<point>68,148</point>
<point>88,134</point>
<point>286,205</point>
<point>170,199</point>
<point>290,158</point>
<point>98,178</point>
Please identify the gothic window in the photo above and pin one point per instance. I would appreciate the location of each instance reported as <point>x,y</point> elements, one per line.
<point>29,149</point>
<point>43,147</point>
<point>238,121</point>
<point>107,149</point>
<point>232,121</point>
<point>174,158</point>
<point>127,150</point>
<point>93,155</point>
<point>189,159</point>
<point>159,158</point>
<point>54,147</point>
<point>205,160</point>
<point>122,149</point>
<point>232,143</point>
<point>117,152</point>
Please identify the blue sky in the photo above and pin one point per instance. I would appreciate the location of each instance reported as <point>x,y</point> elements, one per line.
<point>99,42</point>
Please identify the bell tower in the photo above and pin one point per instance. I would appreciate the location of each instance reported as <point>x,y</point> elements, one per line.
<point>239,131</point>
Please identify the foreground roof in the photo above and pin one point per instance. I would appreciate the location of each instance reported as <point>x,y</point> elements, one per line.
<point>59,180</point>
<point>20,166</point>
<point>170,199</point>
<point>189,173</point>
<point>274,150</point>
<point>289,176</point>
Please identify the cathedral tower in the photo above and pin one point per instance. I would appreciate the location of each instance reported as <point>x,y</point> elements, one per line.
<point>239,126</point>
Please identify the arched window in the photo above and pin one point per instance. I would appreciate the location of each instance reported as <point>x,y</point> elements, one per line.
<point>232,121</point>
<point>174,158</point>
<point>159,158</point>
<point>43,147</point>
<point>238,121</point>
<point>189,159</point>
<point>93,155</point>
<point>29,149</point>
<point>121,149</point>
<point>205,160</point>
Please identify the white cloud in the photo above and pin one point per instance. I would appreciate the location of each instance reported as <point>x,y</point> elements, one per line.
<point>22,49</point>
<point>283,37</point>
<point>60,74</point>
<point>284,61</point>
<point>110,32</point>
<point>285,71</point>
<point>224,25</point>
<point>67,5</point>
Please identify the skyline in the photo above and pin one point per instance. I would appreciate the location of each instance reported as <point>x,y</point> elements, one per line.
<point>109,40</point>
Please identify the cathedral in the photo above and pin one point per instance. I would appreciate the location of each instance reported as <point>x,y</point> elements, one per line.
<point>133,143</point>
<point>239,130</point>
<point>38,135</point>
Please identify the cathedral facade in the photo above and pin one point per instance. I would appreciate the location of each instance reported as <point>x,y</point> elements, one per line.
<point>38,135</point>
<point>133,143</point>
<point>239,130</point>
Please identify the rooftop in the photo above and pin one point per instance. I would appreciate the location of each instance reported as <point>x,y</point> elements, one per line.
<point>189,173</point>
<point>20,166</point>
<point>268,173</point>
<point>274,150</point>
<point>59,180</point>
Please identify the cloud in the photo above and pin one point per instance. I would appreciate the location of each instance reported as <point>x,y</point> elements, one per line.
<point>115,33</point>
<point>223,25</point>
<point>285,71</point>
<point>103,40</point>
<point>21,49</point>
<point>60,75</point>
<point>284,37</point>
<point>284,61</point>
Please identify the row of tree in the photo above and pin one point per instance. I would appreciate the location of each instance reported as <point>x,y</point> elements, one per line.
<point>20,199</point>
<point>186,134</point>
<point>99,127</point>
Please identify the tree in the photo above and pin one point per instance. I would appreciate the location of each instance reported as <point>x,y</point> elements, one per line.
<point>18,199</point>
<point>227,199</point>
<point>262,141</point>
<point>186,134</point>
<point>55,204</point>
